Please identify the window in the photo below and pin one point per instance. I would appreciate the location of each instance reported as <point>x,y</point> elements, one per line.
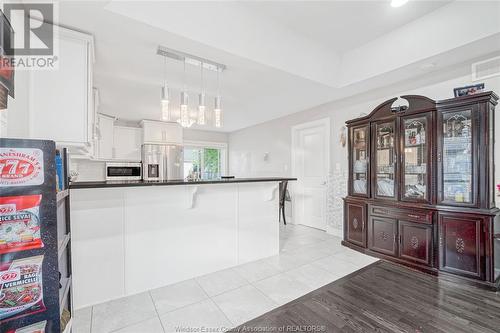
<point>204,161</point>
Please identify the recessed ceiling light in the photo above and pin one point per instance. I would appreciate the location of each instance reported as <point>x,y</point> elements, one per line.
<point>398,3</point>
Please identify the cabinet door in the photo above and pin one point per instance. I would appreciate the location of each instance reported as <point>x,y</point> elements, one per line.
<point>172,133</point>
<point>461,244</point>
<point>385,151</point>
<point>416,158</point>
<point>382,235</point>
<point>162,132</point>
<point>105,141</point>
<point>153,132</point>
<point>415,242</point>
<point>127,143</point>
<point>359,165</point>
<point>355,223</point>
<point>59,99</point>
<point>457,157</point>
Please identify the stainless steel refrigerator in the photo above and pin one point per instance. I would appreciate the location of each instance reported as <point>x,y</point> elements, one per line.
<point>162,162</point>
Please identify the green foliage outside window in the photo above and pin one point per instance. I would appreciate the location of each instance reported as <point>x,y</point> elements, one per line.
<point>212,162</point>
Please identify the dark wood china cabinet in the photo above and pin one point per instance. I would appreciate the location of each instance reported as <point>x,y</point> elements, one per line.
<point>421,186</point>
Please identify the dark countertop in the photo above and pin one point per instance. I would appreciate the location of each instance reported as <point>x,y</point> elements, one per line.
<point>133,183</point>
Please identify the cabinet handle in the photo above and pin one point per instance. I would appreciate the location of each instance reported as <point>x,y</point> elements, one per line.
<point>414,216</point>
<point>394,239</point>
<point>439,157</point>
<point>400,239</point>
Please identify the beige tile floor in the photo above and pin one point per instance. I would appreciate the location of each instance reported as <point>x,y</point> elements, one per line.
<point>308,259</point>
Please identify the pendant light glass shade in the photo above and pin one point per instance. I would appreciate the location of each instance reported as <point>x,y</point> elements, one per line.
<point>201,110</point>
<point>218,104</point>
<point>201,120</point>
<point>217,112</point>
<point>200,114</point>
<point>184,119</point>
<point>165,98</point>
<point>165,101</point>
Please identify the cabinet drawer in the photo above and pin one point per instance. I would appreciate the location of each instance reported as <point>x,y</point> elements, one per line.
<point>421,216</point>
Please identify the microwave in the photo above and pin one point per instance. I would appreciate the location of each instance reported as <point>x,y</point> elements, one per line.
<point>123,171</point>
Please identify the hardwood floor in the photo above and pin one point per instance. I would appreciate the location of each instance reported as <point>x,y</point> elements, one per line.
<point>384,297</point>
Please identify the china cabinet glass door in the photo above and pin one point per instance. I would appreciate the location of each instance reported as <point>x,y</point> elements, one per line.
<point>415,172</point>
<point>385,160</point>
<point>360,161</point>
<point>456,158</point>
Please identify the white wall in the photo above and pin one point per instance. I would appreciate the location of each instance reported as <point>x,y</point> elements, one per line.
<point>207,136</point>
<point>247,146</point>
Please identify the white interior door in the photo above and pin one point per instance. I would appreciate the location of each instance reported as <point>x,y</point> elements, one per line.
<point>311,164</point>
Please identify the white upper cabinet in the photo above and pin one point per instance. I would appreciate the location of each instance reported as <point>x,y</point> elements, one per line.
<point>160,132</point>
<point>61,104</point>
<point>127,143</point>
<point>105,136</point>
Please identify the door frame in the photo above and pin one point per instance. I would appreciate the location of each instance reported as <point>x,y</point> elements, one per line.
<point>323,122</point>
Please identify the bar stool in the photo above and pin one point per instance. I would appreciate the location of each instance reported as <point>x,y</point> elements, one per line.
<point>283,186</point>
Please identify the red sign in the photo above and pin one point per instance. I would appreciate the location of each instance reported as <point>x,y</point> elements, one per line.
<point>21,166</point>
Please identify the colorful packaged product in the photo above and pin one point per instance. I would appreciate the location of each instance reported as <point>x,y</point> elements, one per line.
<point>20,223</point>
<point>21,290</point>
<point>21,166</point>
<point>34,328</point>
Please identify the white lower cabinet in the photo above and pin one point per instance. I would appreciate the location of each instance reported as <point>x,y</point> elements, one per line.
<point>256,234</point>
<point>166,241</point>
<point>132,239</point>
<point>97,246</point>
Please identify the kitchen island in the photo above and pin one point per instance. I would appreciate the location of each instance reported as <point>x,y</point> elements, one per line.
<point>133,236</point>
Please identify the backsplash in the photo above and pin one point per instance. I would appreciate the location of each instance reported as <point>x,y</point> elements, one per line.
<point>88,170</point>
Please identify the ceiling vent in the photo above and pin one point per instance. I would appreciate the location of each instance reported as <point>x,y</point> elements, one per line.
<point>485,69</point>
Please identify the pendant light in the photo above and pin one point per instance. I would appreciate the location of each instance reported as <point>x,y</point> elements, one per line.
<point>184,119</point>
<point>218,104</point>
<point>201,101</point>
<point>165,98</point>
<point>201,115</point>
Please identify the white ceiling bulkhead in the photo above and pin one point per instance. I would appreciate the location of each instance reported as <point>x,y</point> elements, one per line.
<point>283,56</point>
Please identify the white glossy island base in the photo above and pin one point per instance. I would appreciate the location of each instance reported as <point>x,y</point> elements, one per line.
<point>126,240</point>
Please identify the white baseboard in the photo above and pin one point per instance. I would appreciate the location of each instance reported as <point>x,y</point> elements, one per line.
<point>334,231</point>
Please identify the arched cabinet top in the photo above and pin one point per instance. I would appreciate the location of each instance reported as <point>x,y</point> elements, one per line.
<point>418,103</point>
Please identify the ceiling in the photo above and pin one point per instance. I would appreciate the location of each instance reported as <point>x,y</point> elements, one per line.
<point>282,57</point>
<point>342,25</point>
